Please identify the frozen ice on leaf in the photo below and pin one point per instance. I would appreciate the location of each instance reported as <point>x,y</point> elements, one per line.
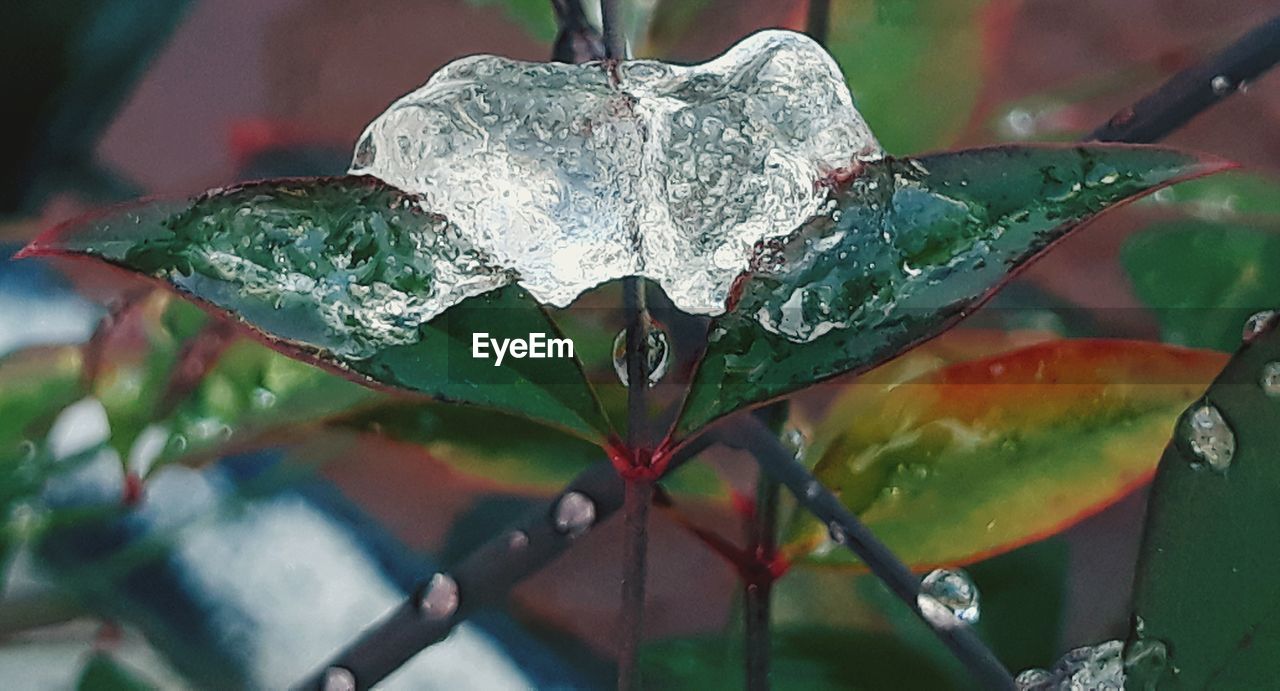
<point>568,176</point>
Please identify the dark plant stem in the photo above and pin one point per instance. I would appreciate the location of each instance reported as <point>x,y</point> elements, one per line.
<point>485,577</point>
<point>756,593</point>
<point>576,41</point>
<point>818,21</point>
<point>639,486</point>
<point>1196,89</point>
<point>776,461</point>
<point>615,47</point>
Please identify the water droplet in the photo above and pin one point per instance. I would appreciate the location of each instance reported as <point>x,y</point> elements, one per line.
<point>937,614</point>
<point>26,450</point>
<point>954,590</point>
<point>1258,324</point>
<point>836,533</point>
<point>1032,679</point>
<point>1270,380</point>
<point>795,441</point>
<point>1146,658</point>
<point>1019,123</point>
<point>440,598</point>
<point>812,490</point>
<point>1220,84</point>
<point>574,514</point>
<point>339,679</point>
<point>658,354</point>
<point>517,540</point>
<point>1210,437</point>
<point>263,398</point>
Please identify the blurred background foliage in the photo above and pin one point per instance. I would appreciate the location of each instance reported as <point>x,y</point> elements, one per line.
<point>181,505</point>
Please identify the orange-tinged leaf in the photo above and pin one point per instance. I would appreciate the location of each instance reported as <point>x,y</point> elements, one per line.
<point>980,457</point>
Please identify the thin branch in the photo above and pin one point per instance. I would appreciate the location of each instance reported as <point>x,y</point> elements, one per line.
<point>577,40</point>
<point>757,595</point>
<point>615,45</point>
<point>639,486</point>
<point>1196,89</point>
<point>818,21</point>
<point>485,577</point>
<point>776,461</point>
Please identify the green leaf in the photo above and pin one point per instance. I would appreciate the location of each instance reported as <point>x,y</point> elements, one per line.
<point>908,247</point>
<point>35,385</point>
<point>1236,195</point>
<point>253,391</point>
<point>103,673</point>
<point>980,457</point>
<point>1203,279</point>
<point>1206,588</point>
<point>330,270</point>
<point>917,57</point>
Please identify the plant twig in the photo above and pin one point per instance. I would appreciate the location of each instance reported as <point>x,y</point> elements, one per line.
<point>615,45</point>
<point>1196,89</point>
<point>762,544</point>
<point>639,486</point>
<point>484,577</point>
<point>577,40</point>
<point>776,461</point>
<point>818,20</point>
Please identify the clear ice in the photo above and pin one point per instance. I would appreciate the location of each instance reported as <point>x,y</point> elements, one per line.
<point>568,176</point>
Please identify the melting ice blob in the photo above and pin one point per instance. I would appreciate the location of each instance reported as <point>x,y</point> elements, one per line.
<point>567,176</point>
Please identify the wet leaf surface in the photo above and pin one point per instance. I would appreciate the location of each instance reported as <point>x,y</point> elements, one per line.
<point>343,272</point>
<point>980,457</point>
<point>908,247</point>
<point>1206,597</point>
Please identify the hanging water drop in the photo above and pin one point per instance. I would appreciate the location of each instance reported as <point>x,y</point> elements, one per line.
<point>812,490</point>
<point>517,540</point>
<point>658,354</point>
<point>1210,437</point>
<point>263,398</point>
<point>795,441</point>
<point>1146,658</point>
<point>1258,324</point>
<point>440,598</point>
<point>953,589</point>
<point>1032,679</point>
<point>574,514</point>
<point>1270,380</point>
<point>836,532</point>
<point>1220,84</point>
<point>339,679</point>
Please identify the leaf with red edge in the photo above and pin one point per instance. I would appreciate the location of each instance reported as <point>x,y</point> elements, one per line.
<point>980,457</point>
<point>346,272</point>
<point>906,248</point>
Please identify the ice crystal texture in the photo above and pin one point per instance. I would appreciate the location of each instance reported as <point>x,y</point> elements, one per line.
<point>567,176</point>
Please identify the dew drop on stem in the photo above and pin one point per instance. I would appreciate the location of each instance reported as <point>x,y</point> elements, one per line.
<point>574,514</point>
<point>955,590</point>
<point>440,598</point>
<point>517,540</point>
<point>339,679</point>
<point>1221,85</point>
